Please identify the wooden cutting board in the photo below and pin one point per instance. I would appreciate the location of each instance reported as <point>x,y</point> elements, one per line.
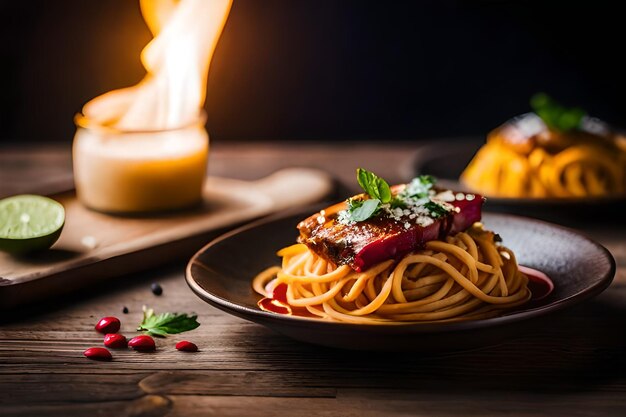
<point>94,246</point>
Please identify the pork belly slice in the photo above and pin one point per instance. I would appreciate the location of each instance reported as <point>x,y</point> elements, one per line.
<point>364,244</point>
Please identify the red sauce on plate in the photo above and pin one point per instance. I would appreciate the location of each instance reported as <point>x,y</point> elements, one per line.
<point>540,286</point>
<point>277,303</point>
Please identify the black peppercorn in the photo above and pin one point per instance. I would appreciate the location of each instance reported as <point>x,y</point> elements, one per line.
<point>156,289</point>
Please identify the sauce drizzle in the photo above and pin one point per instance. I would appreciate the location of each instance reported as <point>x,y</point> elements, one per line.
<point>539,284</point>
<point>277,303</point>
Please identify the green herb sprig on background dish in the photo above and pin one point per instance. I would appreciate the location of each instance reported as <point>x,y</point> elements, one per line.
<point>556,116</point>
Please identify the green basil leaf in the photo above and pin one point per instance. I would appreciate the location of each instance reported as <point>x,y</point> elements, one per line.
<point>374,186</point>
<point>384,191</point>
<point>366,180</point>
<point>365,210</point>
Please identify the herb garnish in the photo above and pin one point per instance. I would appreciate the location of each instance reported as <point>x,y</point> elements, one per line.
<point>380,193</point>
<point>419,187</point>
<point>376,187</point>
<point>362,209</point>
<point>166,323</point>
<point>554,115</point>
<point>436,210</point>
<point>415,197</point>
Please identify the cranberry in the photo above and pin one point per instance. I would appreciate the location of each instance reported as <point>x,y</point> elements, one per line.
<point>115,340</point>
<point>143,343</point>
<point>98,353</point>
<point>186,346</point>
<point>108,325</point>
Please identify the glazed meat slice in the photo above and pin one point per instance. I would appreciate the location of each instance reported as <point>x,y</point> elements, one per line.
<point>364,244</point>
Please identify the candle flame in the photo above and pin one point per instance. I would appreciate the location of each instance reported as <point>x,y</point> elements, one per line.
<point>177,63</point>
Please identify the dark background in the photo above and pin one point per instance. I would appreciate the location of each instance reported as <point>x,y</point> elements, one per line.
<point>325,69</point>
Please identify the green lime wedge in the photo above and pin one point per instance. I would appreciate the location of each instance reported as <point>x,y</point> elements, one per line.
<point>29,223</point>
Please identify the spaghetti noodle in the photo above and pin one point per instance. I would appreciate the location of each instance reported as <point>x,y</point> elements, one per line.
<point>463,277</point>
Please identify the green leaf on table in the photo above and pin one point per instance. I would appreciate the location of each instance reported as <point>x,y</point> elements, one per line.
<point>166,323</point>
<point>554,115</point>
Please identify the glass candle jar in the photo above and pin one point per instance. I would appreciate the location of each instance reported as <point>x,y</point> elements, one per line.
<point>135,171</point>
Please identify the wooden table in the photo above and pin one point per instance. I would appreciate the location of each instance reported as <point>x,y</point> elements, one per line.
<point>576,368</point>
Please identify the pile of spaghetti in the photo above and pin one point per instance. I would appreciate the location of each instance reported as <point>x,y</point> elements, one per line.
<point>431,260</point>
<point>539,155</point>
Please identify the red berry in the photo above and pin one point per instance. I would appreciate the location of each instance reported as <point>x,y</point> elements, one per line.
<point>108,325</point>
<point>143,343</point>
<point>115,340</point>
<point>186,346</point>
<point>98,353</point>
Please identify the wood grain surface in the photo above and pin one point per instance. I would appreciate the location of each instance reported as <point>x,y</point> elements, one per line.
<point>574,365</point>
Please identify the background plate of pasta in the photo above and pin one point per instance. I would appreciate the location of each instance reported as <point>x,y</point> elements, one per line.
<point>553,156</point>
<point>436,275</point>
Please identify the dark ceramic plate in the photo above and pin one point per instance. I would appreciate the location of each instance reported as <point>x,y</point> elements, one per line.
<point>221,274</point>
<point>448,162</point>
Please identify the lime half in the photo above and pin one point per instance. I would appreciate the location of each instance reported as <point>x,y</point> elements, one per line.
<point>29,223</point>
